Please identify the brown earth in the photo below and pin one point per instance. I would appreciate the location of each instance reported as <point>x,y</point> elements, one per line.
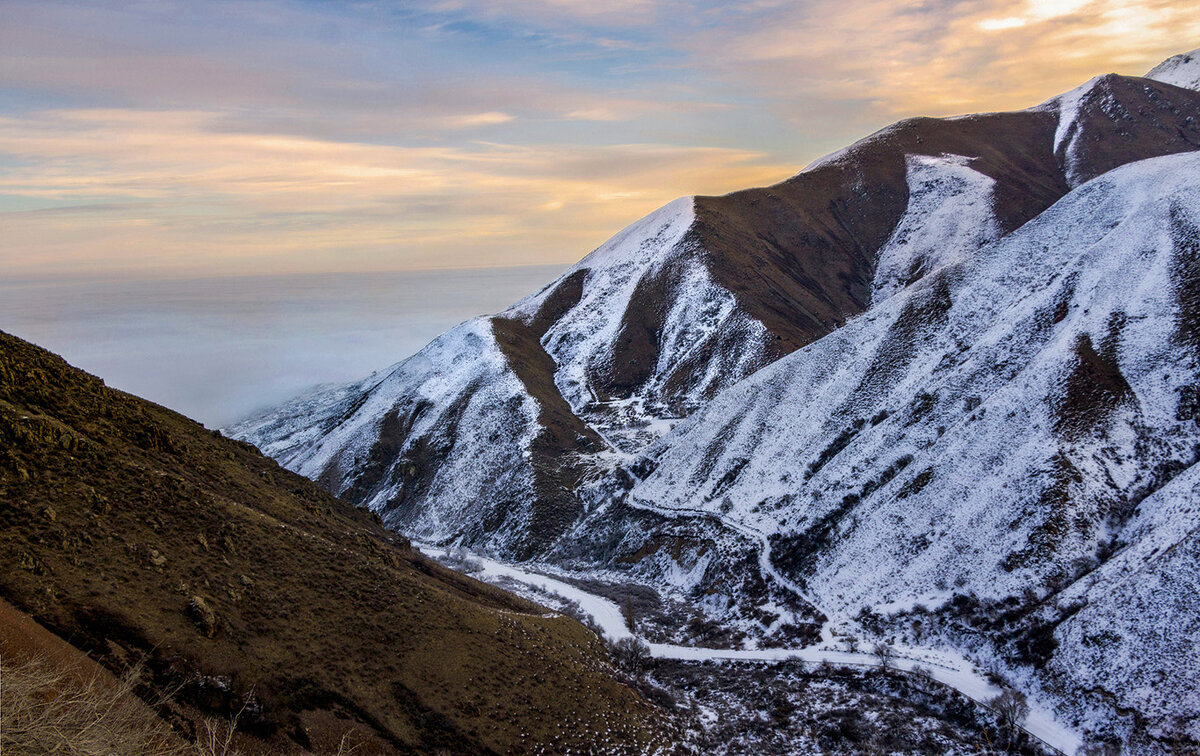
<point>562,437</point>
<point>136,534</point>
<point>800,255</point>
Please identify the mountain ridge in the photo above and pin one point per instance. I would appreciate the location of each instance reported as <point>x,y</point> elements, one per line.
<point>791,363</point>
<point>611,308</point>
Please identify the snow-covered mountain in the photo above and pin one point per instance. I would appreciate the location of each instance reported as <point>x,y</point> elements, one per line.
<point>1017,430</point>
<point>683,304</point>
<point>941,385</point>
<point>1182,70</point>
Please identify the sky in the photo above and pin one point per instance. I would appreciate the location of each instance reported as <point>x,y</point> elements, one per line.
<point>193,138</point>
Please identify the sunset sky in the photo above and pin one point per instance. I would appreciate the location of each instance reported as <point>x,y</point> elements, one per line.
<point>198,138</point>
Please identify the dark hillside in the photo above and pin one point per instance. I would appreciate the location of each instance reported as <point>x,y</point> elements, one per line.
<point>132,532</point>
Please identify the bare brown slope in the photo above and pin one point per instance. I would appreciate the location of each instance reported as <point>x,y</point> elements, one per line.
<point>561,438</point>
<point>800,256</point>
<point>1123,119</point>
<point>128,529</point>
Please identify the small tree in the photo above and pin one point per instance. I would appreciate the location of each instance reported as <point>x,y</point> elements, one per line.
<point>630,617</point>
<point>884,653</point>
<point>1012,707</point>
<point>630,655</point>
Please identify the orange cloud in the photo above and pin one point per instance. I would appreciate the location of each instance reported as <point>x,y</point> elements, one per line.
<point>165,190</point>
<point>942,58</point>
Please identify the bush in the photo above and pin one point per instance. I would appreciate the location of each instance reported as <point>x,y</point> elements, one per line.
<point>922,672</point>
<point>630,655</point>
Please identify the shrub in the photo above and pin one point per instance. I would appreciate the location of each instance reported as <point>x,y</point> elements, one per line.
<point>1012,707</point>
<point>630,655</point>
<point>922,672</point>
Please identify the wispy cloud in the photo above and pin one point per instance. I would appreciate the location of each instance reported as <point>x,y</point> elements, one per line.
<point>211,135</point>
<point>941,57</point>
<point>167,181</point>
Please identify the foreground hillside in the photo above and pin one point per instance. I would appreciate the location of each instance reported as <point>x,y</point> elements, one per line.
<point>136,534</point>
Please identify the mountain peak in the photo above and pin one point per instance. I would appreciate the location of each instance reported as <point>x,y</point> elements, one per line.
<point>1182,70</point>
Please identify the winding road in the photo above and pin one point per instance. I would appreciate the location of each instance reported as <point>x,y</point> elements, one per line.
<point>945,667</point>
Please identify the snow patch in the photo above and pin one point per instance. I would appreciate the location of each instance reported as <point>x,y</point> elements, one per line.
<point>949,216</point>
<point>1180,70</point>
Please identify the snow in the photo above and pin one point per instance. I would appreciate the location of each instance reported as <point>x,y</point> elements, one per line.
<point>782,418</point>
<point>1180,70</point>
<point>947,394</point>
<point>1069,106</point>
<point>461,375</point>
<point>459,394</point>
<point>978,338</point>
<point>580,341</point>
<point>946,667</point>
<point>656,252</point>
<point>949,216</point>
<point>605,613</point>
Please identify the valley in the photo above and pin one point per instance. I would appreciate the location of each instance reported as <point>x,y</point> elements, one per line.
<point>898,455</point>
<point>932,392</point>
<point>942,666</point>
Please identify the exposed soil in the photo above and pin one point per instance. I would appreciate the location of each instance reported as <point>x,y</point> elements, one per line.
<point>131,531</point>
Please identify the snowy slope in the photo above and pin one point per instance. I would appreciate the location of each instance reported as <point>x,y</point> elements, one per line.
<point>949,216</point>
<point>1182,70</point>
<point>653,258</point>
<point>1112,120</point>
<point>991,341</point>
<point>990,430</point>
<point>415,441</point>
<point>685,303</point>
<point>466,440</point>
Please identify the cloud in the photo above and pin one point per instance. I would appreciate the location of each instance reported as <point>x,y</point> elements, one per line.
<point>940,57</point>
<point>167,190</point>
<point>617,13</point>
<point>474,120</point>
<point>269,63</point>
<point>284,135</point>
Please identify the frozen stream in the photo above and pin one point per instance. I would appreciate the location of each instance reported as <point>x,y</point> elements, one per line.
<point>946,667</point>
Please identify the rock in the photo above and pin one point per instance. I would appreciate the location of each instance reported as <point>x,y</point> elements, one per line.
<point>202,616</point>
<point>157,559</point>
<point>30,563</point>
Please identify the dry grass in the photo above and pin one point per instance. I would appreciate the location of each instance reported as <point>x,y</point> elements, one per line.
<point>53,709</point>
<point>134,531</point>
